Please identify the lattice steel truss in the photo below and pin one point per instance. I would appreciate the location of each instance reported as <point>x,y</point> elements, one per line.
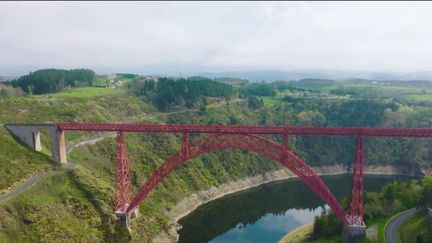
<point>356,209</point>
<point>244,137</point>
<point>123,190</point>
<point>252,143</point>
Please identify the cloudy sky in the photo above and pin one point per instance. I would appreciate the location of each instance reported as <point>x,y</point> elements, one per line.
<point>202,36</point>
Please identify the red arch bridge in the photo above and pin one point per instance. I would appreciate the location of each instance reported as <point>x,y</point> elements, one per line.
<point>221,137</point>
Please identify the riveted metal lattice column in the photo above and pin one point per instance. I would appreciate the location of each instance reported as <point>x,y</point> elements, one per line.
<point>123,183</point>
<point>356,210</point>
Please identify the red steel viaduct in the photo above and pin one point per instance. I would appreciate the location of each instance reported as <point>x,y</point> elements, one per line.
<point>221,137</point>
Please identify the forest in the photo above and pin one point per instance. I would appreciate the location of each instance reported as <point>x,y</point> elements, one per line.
<point>199,100</point>
<point>391,199</point>
<point>168,92</point>
<point>53,80</point>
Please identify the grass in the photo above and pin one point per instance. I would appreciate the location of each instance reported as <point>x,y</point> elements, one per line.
<point>76,206</point>
<point>17,162</point>
<point>99,108</point>
<point>57,209</point>
<point>381,225</point>
<point>269,101</point>
<point>413,228</point>
<point>85,92</point>
<point>425,97</point>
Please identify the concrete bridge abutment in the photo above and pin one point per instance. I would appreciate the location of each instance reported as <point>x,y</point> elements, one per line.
<point>353,234</point>
<point>30,135</point>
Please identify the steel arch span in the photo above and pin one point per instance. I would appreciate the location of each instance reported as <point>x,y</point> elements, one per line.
<point>253,143</point>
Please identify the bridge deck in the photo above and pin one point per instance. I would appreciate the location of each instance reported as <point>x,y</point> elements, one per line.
<point>246,129</point>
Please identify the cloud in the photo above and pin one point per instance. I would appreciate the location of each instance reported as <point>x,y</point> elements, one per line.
<point>368,36</point>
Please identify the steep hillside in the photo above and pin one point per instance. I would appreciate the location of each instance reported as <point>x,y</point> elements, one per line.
<point>76,204</point>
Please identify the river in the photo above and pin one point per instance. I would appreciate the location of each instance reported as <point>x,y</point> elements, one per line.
<point>265,213</point>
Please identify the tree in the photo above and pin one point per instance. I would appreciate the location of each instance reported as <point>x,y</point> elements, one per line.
<point>389,193</point>
<point>233,120</point>
<point>311,118</point>
<point>203,106</point>
<point>30,89</point>
<point>260,89</point>
<point>254,103</point>
<point>3,92</point>
<point>53,80</point>
<point>179,92</point>
<point>427,190</point>
<point>263,118</point>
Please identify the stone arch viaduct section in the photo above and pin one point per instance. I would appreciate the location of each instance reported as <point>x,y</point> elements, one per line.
<point>29,134</point>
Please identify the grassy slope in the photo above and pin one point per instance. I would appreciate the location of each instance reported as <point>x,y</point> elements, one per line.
<point>85,92</point>
<point>410,93</point>
<point>50,202</point>
<point>421,97</point>
<point>89,188</point>
<point>57,209</point>
<point>77,205</point>
<point>18,162</point>
<point>411,229</point>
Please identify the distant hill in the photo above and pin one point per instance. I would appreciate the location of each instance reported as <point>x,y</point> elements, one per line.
<point>3,79</point>
<point>232,81</point>
<point>275,75</point>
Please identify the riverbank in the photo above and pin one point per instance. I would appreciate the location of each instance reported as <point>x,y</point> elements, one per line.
<point>190,203</point>
<point>299,234</point>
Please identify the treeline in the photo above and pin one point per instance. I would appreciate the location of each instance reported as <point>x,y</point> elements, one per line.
<point>393,198</point>
<point>315,82</point>
<point>258,89</point>
<point>398,196</point>
<point>326,225</point>
<point>264,89</point>
<point>53,80</point>
<point>127,75</point>
<point>168,92</point>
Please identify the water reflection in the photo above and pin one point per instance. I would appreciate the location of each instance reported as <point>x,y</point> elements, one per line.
<point>269,228</point>
<point>263,214</point>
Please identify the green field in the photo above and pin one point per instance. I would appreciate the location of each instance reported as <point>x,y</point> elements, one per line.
<point>269,101</point>
<point>420,97</point>
<point>53,208</point>
<point>86,92</point>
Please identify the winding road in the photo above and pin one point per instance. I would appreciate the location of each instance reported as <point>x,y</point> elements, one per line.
<point>35,178</point>
<point>391,230</point>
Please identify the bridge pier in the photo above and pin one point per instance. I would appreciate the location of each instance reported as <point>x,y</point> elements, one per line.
<point>58,146</point>
<point>37,141</point>
<point>134,213</point>
<point>124,219</point>
<point>30,135</point>
<point>353,233</point>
